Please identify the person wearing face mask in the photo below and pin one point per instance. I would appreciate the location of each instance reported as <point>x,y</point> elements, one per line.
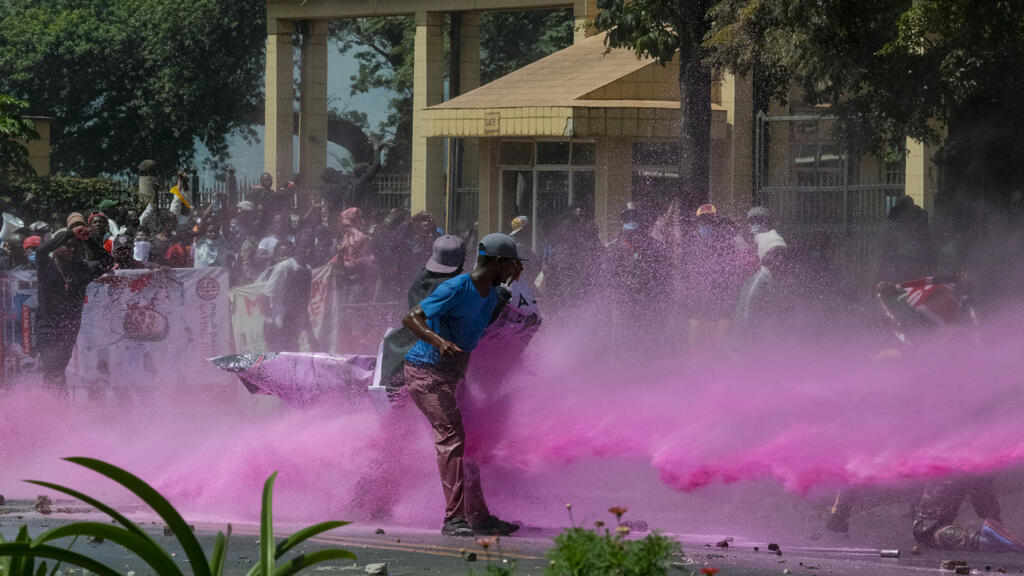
<point>64,273</point>
<point>714,274</point>
<point>639,288</point>
<point>29,245</point>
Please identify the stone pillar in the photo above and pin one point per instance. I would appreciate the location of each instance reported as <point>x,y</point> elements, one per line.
<point>737,189</point>
<point>428,180</point>
<point>612,185</point>
<point>313,105</point>
<point>278,154</point>
<point>469,79</point>
<point>922,175</point>
<point>489,188</point>
<point>583,13</point>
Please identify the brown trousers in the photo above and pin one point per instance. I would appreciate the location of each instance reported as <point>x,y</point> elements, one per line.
<point>434,391</point>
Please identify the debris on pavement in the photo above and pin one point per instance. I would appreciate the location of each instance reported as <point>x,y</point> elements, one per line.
<point>377,569</point>
<point>890,553</point>
<point>951,564</point>
<point>379,531</point>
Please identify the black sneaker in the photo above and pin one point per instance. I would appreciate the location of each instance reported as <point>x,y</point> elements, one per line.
<point>457,527</point>
<point>492,526</point>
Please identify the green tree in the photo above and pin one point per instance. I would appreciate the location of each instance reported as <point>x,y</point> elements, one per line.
<point>895,68</point>
<point>385,47</point>
<point>538,33</point>
<point>666,30</point>
<point>15,130</point>
<point>132,79</point>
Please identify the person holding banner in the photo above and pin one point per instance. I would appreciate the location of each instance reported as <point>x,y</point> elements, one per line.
<point>449,324</point>
<point>63,275</point>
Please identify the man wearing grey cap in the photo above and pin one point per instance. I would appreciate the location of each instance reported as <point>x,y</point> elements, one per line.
<point>449,324</point>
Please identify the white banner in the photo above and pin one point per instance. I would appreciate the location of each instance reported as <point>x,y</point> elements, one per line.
<point>142,326</point>
<point>247,318</point>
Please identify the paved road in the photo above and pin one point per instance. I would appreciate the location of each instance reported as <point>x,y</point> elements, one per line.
<point>417,552</point>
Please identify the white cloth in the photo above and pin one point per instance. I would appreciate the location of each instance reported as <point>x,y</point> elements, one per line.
<point>276,289</point>
<point>208,252</point>
<point>141,252</point>
<point>768,241</point>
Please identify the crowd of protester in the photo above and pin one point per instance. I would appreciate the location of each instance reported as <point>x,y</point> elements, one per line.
<point>719,277</point>
<point>695,280</point>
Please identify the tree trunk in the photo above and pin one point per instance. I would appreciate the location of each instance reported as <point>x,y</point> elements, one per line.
<point>695,134</point>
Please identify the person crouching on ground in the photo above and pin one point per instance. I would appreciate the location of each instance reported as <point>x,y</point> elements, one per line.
<point>64,274</point>
<point>449,324</point>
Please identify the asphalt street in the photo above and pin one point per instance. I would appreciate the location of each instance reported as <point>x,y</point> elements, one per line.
<point>410,551</point>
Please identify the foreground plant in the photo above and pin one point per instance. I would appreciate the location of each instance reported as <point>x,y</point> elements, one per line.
<point>17,558</point>
<point>580,551</point>
<point>498,565</point>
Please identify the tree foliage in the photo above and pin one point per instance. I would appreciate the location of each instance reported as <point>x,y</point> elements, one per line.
<point>892,68</point>
<point>15,130</point>
<point>133,79</point>
<point>538,33</point>
<point>672,30</point>
<point>385,49</point>
<point>52,198</point>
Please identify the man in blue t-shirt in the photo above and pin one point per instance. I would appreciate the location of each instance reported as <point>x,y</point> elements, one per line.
<point>449,324</point>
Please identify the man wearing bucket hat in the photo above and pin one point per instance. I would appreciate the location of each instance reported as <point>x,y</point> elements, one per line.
<point>449,324</point>
<point>446,262</point>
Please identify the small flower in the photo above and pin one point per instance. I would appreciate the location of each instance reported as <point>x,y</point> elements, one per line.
<point>618,511</point>
<point>486,543</point>
<point>709,570</point>
<point>623,530</point>
<point>568,505</point>
<point>599,524</point>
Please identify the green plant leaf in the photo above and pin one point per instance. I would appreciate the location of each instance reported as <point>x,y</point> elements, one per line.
<point>18,562</point>
<point>25,550</point>
<point>145,548</point>
<point>267,558</point>
<point>56,566</point>
<point>182,531</point>
<point>41,571</point>
<point>305,560</point>
<point>121,519</point>
<point>219,553</point>
<point>305,534</point>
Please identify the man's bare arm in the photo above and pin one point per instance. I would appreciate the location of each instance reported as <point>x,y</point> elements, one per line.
<point>416,322</point>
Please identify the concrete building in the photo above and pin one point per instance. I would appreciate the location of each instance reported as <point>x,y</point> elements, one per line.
<point>580,128</point>
<point>39,149</point>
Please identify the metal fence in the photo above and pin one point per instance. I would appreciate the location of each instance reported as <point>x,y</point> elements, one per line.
<point>393,191</point>
<point>851,216</point>
<point>820,192</point>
